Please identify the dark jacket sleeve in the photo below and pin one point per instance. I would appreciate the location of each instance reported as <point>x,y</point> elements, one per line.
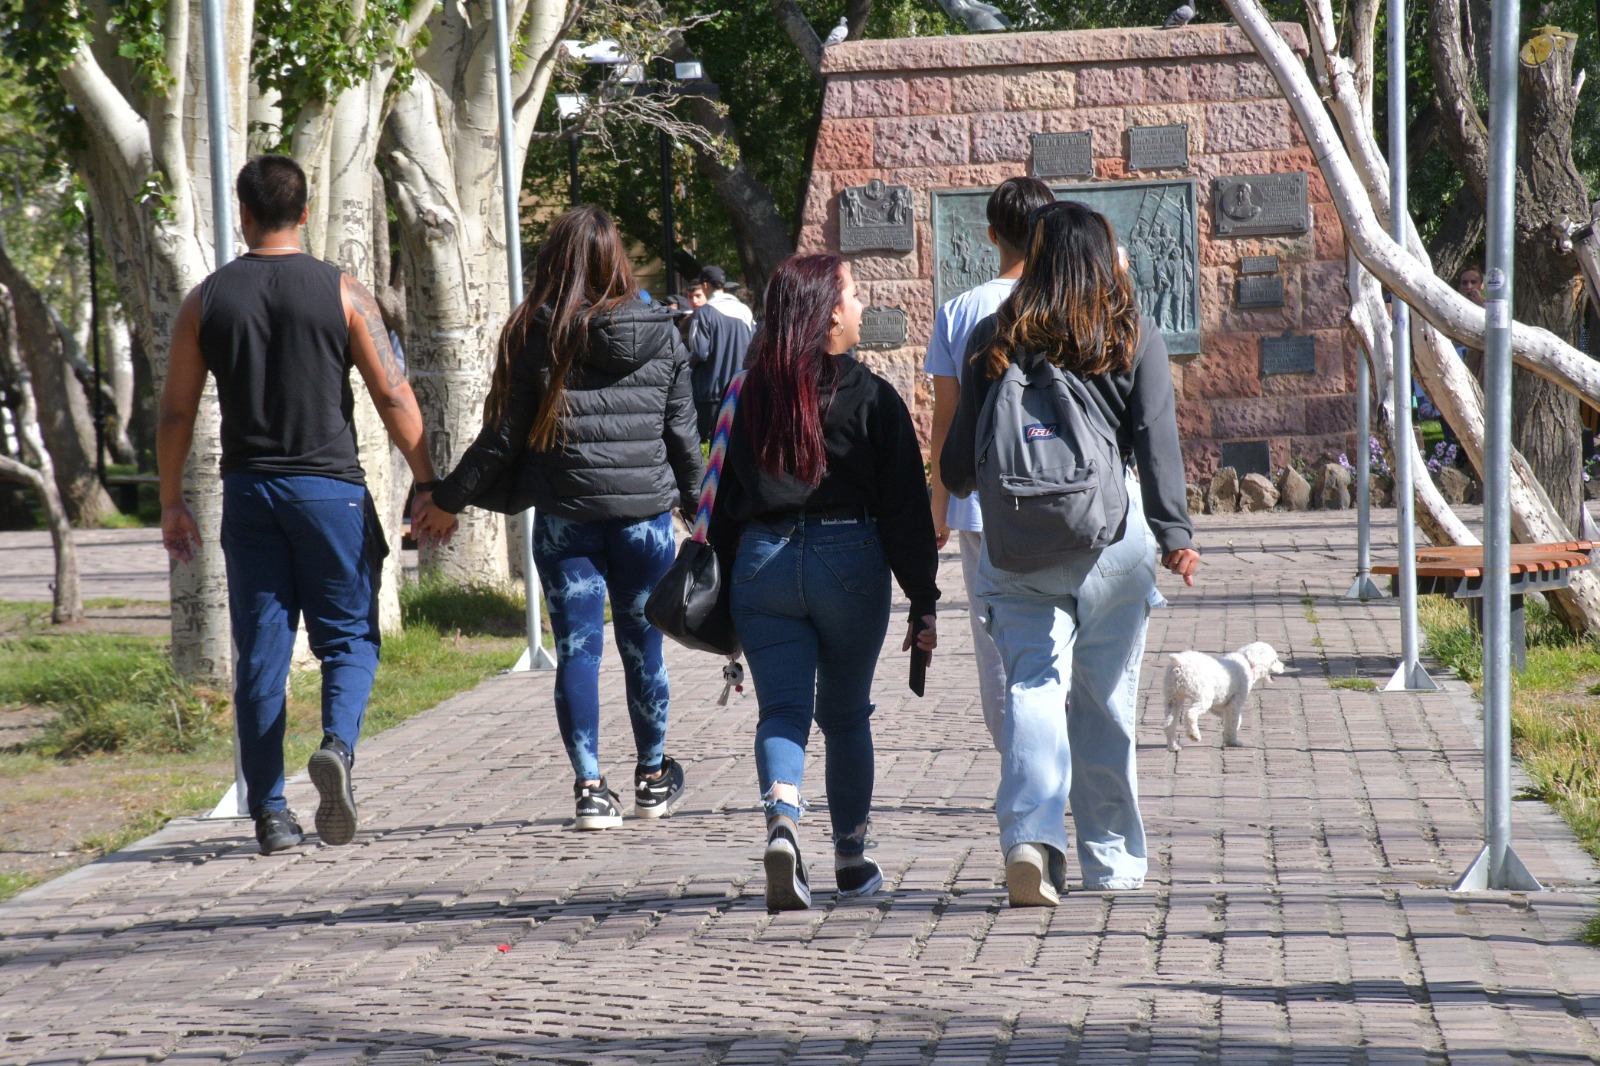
<point>501,443</point>
<point>683,433</point>
<point>958,462</point>
<point>905,522</point>
<point>1152,422</point>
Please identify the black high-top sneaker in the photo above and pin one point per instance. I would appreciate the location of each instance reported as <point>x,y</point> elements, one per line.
<point>856,876</point>
<point>597,806</point>
<point>330,772</point>
<point>654,796</point>
<point>787,887</point>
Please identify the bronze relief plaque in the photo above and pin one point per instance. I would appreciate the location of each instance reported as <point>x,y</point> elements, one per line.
<point>876,217</point>
<point>1260,205</point>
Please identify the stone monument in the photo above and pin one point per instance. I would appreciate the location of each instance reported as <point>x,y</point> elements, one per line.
<point>1180,137</point>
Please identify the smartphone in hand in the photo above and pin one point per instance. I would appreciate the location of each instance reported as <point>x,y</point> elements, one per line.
<point>919,660</point>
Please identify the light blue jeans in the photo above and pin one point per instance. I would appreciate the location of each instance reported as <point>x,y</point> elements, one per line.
<point>1071,638</point>
<point>811,605</point>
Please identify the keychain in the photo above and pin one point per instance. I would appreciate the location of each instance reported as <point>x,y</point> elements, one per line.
<point>733,675</point>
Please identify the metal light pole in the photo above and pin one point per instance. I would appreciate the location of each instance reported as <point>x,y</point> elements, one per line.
<point>572,169</point>
<point>1409,676</point>
<point>1497,865</point>
<point>534,657</point>
<point>1363,587</point>
<point>669,241</point>
<point>234,803</point>
<point>94,346</point>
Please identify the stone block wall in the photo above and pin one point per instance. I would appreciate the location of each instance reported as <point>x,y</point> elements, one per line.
<point>958,112</point>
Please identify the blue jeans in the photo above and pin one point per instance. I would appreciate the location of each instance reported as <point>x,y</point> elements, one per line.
<point>1072,638</point>
<point>580,563</point>
<point>293,546</point>
<point>812,606</point>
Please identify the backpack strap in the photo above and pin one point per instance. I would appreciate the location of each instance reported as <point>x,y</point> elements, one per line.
<point>719,453</point>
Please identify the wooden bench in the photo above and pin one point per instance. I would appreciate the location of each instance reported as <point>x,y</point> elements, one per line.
<point>126,487</point>
<point>1459,572</point>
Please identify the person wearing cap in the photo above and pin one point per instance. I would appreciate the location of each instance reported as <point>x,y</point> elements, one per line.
<point>719,336</point>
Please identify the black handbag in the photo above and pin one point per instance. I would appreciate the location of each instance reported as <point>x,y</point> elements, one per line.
<point>690,602</point>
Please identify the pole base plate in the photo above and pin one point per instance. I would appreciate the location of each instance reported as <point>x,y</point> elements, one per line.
<point>231,805</point>
<point>1411,678</point>
<point>1514,876</point>
<point>1363,588</point>
<point>538,660</point>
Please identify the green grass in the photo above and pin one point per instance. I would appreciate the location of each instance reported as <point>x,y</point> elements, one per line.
<point>1555,720</point>
<point>118,702</point>
<point>1359,684</point>
<point>1432,431</point>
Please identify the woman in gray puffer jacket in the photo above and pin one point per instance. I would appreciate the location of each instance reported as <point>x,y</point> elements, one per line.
<point>590,420</point>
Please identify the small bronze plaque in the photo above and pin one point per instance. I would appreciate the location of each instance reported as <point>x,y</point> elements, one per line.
<point>1264,291</point>
<point>1158,147</point>
<point>876,216</point>
<point>1063,155</point>
<point>1259,205</point>
<point>1247,457</point>
<point>1288,354</point>
<point>883,328</point>
<point>1258,264</point>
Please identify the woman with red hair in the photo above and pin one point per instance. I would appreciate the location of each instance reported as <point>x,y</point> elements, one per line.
<point>822,497</point>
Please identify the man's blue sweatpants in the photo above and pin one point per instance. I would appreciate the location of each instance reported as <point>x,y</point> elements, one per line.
<point>298,545</point>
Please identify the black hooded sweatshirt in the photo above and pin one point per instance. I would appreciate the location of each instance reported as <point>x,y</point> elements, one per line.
<point>626,447</point>
<point>874,467</point>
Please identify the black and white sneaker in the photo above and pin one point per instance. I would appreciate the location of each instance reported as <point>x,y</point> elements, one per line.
<point>654,796</point>
<point>597,806</point>
<point>330,772</point>
<point>858,876</point>
<point>787,887</point>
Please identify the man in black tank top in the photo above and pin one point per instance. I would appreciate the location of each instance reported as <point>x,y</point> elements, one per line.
<point>280,330</point>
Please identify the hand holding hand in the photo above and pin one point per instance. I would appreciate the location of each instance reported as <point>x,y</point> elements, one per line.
<point>1183,562</point>
<point>180,534</point>
<point>432,526</point>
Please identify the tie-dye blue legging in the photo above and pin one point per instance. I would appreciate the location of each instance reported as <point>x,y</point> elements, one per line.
<point>580,563</point>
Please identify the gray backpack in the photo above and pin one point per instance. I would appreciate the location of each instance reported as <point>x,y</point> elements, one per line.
<point>1050,473</point>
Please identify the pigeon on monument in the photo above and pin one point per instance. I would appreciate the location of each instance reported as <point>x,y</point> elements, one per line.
<point>838,33</point>
<point>975,15</point>
<point>1179,17</point>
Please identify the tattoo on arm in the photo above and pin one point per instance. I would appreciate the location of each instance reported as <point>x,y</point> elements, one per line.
<point>367,308</point>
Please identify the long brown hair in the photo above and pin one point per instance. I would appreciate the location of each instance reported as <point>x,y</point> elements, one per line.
<point>1073,302</point>
<point>582,270</point>
<point>791,372</point>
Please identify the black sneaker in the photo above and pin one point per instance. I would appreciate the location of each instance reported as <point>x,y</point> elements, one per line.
<point>787,887</point>
<point>330,772</point>
<point>858,876</point>
<point>597,806</point>
<point>652,796</point>
<point>277,831</point>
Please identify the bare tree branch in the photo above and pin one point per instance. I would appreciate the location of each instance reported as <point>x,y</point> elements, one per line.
<point>1465,136</point>
<point>794,23</point>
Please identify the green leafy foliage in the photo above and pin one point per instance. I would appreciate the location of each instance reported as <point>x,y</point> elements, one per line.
<point>309,51</point>
<point>140,29</point>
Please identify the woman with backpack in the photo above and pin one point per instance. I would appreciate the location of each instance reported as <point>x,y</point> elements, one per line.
<point>822,496</point>
<point>590,419</point>
<point>1070,619</point>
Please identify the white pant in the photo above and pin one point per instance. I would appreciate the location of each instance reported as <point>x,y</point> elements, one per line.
<point>991,670</point>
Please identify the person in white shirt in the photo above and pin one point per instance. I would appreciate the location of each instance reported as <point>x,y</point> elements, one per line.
<point>715,284</point>
<point>1008,210</point>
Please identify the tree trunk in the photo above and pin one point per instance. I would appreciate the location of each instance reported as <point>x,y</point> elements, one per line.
<point>1458,237</point>
<point>66,419</point>
<point>67,602</point>
<point>1546,427</point>
<point>441,145</point>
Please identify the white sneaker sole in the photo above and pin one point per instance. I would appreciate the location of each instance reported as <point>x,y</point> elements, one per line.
<point>1027,884</point>
<point>785,890</point>
<point>867,889</point>
<point>656,810</point>
<point>597,821</point>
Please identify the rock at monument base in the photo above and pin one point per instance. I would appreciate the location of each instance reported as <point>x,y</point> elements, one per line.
<point>1197,499</point>
<point>1332,489</point>
<point>1381,495</point>
<point>1223,496</point>
<point>1454,486</point>
<point>1294,491</point>
<point>1257,494</point>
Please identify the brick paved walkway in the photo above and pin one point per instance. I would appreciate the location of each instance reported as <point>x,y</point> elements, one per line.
<point>1297,910</point>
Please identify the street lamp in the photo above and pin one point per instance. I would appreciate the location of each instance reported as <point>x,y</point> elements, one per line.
<point>568,107</point>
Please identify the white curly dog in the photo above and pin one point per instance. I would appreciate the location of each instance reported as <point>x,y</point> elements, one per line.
<point>1197,682</point>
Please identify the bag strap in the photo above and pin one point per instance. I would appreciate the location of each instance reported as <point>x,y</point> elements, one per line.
<point>719,452</point>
